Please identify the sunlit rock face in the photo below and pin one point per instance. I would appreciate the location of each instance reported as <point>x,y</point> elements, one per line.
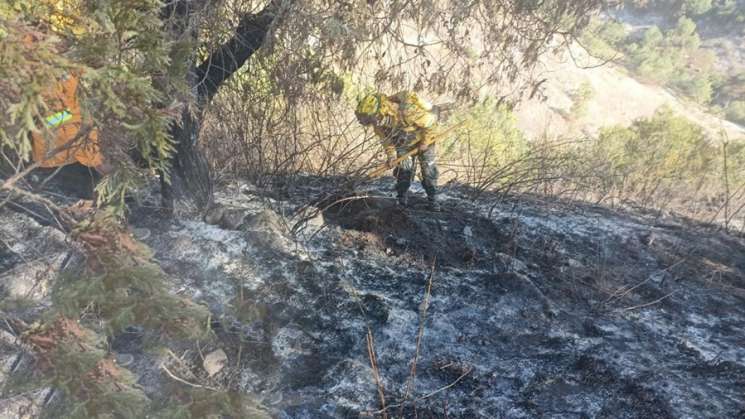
<point>515,309</point>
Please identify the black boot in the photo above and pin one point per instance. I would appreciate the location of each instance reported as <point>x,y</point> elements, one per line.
<point>403,200</point>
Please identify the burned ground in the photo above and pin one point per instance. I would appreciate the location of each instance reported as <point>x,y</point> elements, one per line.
<point>452,238</point>
<point>536,309</point>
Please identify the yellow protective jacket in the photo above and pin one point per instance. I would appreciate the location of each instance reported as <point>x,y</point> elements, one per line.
<point>404,119</point>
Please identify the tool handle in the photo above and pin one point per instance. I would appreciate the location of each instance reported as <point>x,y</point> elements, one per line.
<point>385,167</point>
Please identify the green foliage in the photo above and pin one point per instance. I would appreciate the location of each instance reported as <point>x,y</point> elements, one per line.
<point>729,12</point>
<point>659,56</point>
<point>690,8</point>
<point>660,162</point>
<point>580,97</point>
<point>604,39</point>
<point>127,48</point>
<point>121,51</point>
<point>736,162</point>
<point>112,189</point>
<point>118,286</point>
<point>674,59</point>
<point>650,57</point>
<point>200,403</point>
<point>696,7</point>
<point>698,87</point>
<point>487,141</point>
<point>127,296</point>
<point>489,128</point>
<point>124,287</point>
<point>735,112</point>
<point>657,155</point>
<point>684,36</point>
<point>731,89</point>
<point>26,71</point>
<point>74,359</point>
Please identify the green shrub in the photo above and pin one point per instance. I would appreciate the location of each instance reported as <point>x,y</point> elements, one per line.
<point>74,359</point>
<point>690,8</point>
<point>486,143</point>
<point>652,58</point>
<point>604,38</point>
<point>735,112</point>
<point>488,129</point>
<point>729,12</point>
<point>698,87</point>
<point>661,155</point>
<point>684,36</point>
<point>731,89</point>
<point>696,7</point>
<point>674,59</point>
<point>580,97</point>
<point>124,286</point>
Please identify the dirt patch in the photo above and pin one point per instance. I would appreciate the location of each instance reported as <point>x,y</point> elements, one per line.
<point>453,237</point>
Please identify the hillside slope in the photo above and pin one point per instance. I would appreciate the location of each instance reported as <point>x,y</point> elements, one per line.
<point>533,309</point>
<point>618,99</point>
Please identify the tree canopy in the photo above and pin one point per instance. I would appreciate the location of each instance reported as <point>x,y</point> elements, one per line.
<point>149,68</point>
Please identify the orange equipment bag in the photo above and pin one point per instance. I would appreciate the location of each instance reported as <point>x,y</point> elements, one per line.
<point>63,142</point>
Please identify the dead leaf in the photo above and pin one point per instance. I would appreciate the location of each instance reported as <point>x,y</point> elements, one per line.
<point>214,362</point>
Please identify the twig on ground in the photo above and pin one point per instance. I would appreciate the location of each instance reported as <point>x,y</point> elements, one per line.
<point>649,303</point>
<point>422,320</point>
<point>240,351</point>
<point>426,396</point>
<point>199,351</point>
<point>181,380</point>
<point>178,359</point>
<point>376,372</point>
<point>621,292</point>
<point>35,197</point>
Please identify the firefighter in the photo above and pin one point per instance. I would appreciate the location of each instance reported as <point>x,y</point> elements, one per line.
<point>403,122</point>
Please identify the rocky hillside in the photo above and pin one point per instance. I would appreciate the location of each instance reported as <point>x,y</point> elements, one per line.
<point>517,309</point>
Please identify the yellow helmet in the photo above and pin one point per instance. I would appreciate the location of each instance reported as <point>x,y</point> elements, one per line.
<point>368,108</point>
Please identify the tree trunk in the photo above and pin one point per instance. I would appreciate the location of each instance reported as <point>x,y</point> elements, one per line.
<point>189,163</point>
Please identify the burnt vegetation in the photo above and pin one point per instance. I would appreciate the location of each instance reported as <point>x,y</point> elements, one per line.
<point>564,276</point>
